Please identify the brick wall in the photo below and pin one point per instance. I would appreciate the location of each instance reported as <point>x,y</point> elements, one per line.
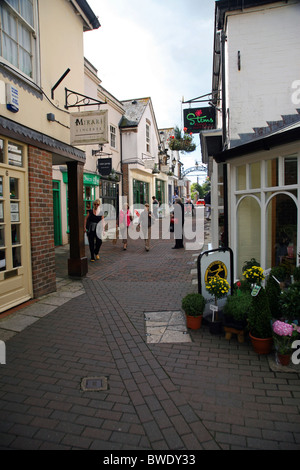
<point>41,221</point>
<point>125,181</point>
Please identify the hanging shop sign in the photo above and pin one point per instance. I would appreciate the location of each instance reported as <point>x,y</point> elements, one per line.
<point>104,166</point>
<point>199,119</point>
<point>90,127</point>
<point>214,263</point>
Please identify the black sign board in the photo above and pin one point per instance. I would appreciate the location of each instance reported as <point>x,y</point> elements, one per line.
<point>199,119</point>
<point>104,166</point>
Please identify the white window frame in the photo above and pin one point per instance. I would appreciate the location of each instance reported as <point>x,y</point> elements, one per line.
<point>33,31</point>
<point>148,149</point>
<point>113,136</point>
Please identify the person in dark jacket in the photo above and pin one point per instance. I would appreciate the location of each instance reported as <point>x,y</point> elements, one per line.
<point>93,217</point>
<point>178,223</point>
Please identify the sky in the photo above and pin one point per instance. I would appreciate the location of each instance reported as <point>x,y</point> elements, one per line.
<point>161,49</point>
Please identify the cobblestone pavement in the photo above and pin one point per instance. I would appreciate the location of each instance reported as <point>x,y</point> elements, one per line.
<point>80,372</point>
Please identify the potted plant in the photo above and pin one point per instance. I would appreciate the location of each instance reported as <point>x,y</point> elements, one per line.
<point>235,313</point>
<point>193,305</point>
<point>259,321</point>
<point>273,291</point>
<point>254,275</point>
<point>218,288</point>
<point>179,142</point>
<point>284,334</point>
<point>289,302</point>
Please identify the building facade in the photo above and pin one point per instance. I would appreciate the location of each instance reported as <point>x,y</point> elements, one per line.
<point>254,152</point>
<point>34,136</point>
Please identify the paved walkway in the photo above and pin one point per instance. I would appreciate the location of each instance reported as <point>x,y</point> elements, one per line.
<point>92,366</point>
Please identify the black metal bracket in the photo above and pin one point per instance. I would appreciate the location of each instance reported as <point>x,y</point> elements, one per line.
<point>81,100</point>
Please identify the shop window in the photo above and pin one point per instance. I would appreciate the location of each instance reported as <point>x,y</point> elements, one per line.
<point>140,192</point>
<point>15,154</point>
<point>248,231</point>
<point>1,151</point>
<point>254,175</point>
<point>281,231</point>
<point>272,172</point>
<point>241,178</point>
<point>290,170</point>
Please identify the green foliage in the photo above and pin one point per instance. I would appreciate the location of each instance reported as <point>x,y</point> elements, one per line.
<point>193,304</point>
<point>273,292</point>
<point>279,272</point>
<point>259,316</point>
<point>249,264</point>
<point>290,302</point>
<point>237,305</point>
<point>296,274</point>
<point>181,143</point>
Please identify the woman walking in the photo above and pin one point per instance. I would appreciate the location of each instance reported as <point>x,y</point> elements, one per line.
<point>93,217</point>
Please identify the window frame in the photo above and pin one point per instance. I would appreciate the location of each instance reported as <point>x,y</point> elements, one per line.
<point>34,42</point>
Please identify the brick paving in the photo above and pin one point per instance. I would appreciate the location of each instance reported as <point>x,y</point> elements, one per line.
<point>210,393</point>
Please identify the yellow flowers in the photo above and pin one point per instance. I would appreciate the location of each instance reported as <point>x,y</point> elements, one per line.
<point>254,274</point>
<point>218,287</point>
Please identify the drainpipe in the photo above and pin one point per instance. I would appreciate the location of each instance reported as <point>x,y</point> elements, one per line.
<point>224,140</point>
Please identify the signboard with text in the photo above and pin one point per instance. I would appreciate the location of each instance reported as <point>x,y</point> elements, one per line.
<point>89,127</point>
<point>199,119</point>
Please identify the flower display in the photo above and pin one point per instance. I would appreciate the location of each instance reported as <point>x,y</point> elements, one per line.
<point>254,275</point>
<point>218,287</point>
<point>183,143</point>
<point>284,334</point>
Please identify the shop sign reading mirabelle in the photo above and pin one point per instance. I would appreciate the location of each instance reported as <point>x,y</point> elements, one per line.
<point>90,127</point>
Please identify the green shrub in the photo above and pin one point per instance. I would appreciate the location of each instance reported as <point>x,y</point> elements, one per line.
<point>259,316</point>
<point>237,305</point>
<point>193,304</point>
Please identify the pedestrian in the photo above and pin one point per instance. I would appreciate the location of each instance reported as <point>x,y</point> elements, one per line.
<point>145,222</point>
<point>155,206</point>
<point>125,220</point>
<point>178,223</point>
<point>93,217</point>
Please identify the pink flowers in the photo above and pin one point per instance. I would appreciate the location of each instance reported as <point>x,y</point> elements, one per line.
<point>282,329</point>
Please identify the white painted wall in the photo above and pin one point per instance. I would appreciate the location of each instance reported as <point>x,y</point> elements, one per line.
<point>269,42</point>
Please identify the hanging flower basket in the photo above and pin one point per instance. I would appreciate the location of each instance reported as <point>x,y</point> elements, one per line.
<point>181,143</point>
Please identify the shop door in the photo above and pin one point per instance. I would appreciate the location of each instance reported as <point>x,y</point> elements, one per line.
<point>56,213</point>
<point>15,264</point>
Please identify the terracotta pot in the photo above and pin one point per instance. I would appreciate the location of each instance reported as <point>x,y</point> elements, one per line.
<point>284,359</point>
<point>261,345</point>
<point>194,323</point>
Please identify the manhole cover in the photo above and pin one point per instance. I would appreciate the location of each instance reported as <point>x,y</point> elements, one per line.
<point>94,384</point>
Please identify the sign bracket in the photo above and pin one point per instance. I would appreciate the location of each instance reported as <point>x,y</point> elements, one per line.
<point>81,100</point>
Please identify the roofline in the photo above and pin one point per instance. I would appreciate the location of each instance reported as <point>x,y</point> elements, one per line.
<point>282,137</point>
<point>87,14</point>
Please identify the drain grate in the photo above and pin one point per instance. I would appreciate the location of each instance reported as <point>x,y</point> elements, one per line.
<point>94,384</point>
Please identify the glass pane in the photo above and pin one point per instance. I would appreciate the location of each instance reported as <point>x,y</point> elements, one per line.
<point>272,172</point>
<point>14,188</point>
<point>15,154</point>
<point>1,186</point>
<point>290,170</point>
<point>9,24</point>
<point>1,155</point>
<point>26,10</point>
<point>14,212</point>
<point>15,234</point>
<point>2,238</point>
<point>241,178</point>
<point>254,169</point>
<point>16,253</point>
<point>1,212</point>
<point>10,50</point>
<point>2,260</point>
<point>248,232</point>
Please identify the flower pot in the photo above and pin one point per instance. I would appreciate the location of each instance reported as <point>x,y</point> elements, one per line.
<point>261,345</point>
<point>284,359</point>
<point>194,323</point>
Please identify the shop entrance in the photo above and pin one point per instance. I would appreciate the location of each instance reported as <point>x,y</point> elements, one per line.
<point>15,267</point>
